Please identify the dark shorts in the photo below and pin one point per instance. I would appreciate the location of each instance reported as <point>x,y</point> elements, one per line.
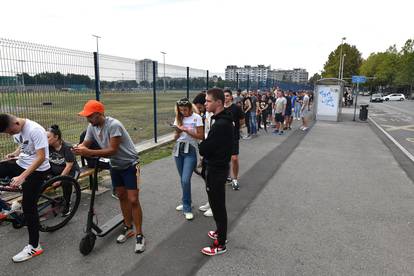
<point>279,118</point>
<point>128,178</point>
<point>235,150</point>
<point>288,112</point>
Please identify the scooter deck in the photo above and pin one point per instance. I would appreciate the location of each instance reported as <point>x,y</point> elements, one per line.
<point>111,225</point>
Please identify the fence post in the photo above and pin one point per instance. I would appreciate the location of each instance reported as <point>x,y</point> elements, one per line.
<point>188,82</point>
<point>207,81</point>
<point>237,81</point>
<point>154,98</point>
<point>97,81</point>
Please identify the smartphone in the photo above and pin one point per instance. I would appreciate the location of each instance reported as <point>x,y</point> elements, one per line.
<point>175,127</point>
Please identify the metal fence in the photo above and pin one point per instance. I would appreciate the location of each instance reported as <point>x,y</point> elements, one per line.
<point>50,85</point>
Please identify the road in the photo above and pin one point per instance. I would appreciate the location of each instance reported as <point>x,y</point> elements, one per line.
<point>396,118</point>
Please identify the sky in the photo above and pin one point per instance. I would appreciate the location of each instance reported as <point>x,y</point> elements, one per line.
<point>211,34</point>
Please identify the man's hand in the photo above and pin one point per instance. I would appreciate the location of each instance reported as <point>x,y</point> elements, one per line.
<point>17,181</point>
<point>81,150</point>
<point>10,156</point>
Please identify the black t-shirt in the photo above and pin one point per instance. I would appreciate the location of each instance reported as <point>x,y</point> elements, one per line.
<point>288,102</point>
<point>58,159</point>
<point>237,114</point>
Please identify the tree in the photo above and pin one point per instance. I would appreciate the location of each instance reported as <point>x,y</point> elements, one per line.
<point>405,74</point>
<point>353,61</point>
<point>314,78</point>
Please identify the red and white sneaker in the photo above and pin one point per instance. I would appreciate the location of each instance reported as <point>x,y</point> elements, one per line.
<point>212,235</point>
<point>214,250</point>
<point>28,252</point>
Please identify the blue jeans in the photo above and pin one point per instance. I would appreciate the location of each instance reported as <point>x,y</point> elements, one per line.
<point>186,162</point>
<point>253,123</point>
<point>297,110</point>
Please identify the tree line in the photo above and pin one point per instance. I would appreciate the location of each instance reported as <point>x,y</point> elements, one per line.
<point>391,70</point>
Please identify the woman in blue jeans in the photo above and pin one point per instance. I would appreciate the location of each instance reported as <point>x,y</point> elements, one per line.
<point>188,130</point>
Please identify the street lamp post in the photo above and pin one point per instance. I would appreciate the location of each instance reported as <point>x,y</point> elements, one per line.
<point>340,58</point>
<point>97,42</point>
<point>343,65</point>
<point>163,55</point>
<point>96,67</point>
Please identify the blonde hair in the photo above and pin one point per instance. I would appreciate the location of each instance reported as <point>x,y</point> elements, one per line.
<point>179,117</point>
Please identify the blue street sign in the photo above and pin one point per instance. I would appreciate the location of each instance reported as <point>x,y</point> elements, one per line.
<point>359,79</point>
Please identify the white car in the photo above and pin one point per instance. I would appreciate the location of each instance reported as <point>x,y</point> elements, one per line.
<point>394,97</point>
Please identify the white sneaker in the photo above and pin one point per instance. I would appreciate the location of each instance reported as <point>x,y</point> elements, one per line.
<point>179,207</point>
<point>208,213</point>
<point>140,244</point>
<point>28,252</point>
<point>189,216</point>
<point>127,232</point>
<point>204,207</point>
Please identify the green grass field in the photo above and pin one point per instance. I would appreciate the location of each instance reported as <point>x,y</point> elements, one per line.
<point>133,109</point>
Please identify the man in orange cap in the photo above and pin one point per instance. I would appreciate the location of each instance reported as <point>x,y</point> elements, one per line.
<point>117,145</point>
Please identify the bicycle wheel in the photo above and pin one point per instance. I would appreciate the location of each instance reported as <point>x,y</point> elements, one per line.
<point>58,201</point>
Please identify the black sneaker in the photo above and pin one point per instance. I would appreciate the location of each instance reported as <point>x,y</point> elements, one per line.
<point>140,245</point>
<point>229,179</point>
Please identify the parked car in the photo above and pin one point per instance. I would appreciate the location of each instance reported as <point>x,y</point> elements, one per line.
<point>366,93</point>
<point>376,98</point>
<point>394,97</point>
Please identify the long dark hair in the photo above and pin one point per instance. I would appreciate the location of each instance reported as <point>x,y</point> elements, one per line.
<point>56,131</point>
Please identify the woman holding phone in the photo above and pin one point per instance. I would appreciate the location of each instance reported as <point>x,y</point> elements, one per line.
<point>188,129</point>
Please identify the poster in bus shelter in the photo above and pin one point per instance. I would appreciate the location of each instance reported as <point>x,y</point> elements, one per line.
<point>328,100</point>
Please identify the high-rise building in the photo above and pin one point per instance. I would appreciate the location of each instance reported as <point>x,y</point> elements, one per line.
<point>144,69</point>
<point>263,73</point>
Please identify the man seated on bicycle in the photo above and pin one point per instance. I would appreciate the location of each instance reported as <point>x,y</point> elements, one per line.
<point>117,145</point>
<point>27,172</point>
<point>62,162</point>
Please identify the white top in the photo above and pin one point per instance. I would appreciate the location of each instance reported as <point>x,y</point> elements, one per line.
<point>191,123</point>
<point>305,105</point>
<point>207,123</point>
<point>280,104</point>
<point>32,138</point>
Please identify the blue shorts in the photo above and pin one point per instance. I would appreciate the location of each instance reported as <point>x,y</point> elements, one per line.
<point>128,178</point>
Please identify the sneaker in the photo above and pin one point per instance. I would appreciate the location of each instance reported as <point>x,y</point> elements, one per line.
<point>248,137</point>
<point>28,252</point>
<point>188,216</point>
<point>229,179</point>
<point>214,250</point>
<point>301,128</point>
<point>212,235</point>
<point>140,245</point>
<point>235,185</point>
<point>179,207</point>
<point>114,195</point>
<point>208,213</point>
<point>204,207</point>
<point>305,128</point>
<point>66,211</point>
<point>127,232</point>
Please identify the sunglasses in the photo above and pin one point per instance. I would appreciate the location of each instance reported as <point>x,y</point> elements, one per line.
<point>183,102</point>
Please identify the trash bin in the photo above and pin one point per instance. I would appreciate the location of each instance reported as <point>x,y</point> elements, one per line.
<point>363,112</point>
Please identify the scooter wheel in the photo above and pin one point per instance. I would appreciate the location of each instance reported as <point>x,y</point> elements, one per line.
<point>87,243</point>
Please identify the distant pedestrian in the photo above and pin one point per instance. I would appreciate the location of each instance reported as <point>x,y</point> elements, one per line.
<point>253,114</point>
<point>305,111</point>
<point>263,108</point>
<point>288,110</point>
<point>238,120</point>
<point>247,108</point>
<point>217,150</point>
<point>238,99</point>
<point>280,107</point>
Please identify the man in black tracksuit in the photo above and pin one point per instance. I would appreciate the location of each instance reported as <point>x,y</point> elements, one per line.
<point>217,150</point>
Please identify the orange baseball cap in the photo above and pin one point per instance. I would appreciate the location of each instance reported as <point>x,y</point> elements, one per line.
<point>91,107</point>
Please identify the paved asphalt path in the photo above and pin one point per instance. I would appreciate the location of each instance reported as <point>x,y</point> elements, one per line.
<point>396,118</point>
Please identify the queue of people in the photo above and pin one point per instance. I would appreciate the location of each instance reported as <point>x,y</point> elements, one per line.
<point>207,133</point>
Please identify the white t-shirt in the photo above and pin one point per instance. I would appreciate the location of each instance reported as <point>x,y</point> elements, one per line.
<point>190,122</point>
<point>305,105</point>
<point>32,138</point>
<point>207,123</point>
<point>280,105</point>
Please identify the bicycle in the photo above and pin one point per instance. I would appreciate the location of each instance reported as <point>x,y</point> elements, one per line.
<point>53,200</point>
